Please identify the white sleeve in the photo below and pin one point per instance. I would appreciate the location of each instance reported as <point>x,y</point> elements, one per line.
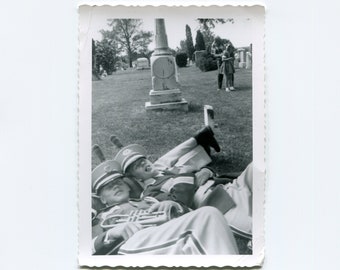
<point>92,246</point>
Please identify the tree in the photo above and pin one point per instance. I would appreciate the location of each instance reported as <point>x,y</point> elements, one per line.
<point>210,23</point>
<point>200,44</point>
<point>129,36</point>
<point>106,55</point>
<point>208,37</point>
<point>182,46</point>
<point>95,70</point>
<point>189,43</point>
<point>206,26</point>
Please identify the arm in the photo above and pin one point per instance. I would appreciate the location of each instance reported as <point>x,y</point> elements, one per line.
<point>183,199</point>
<point>179,188</point>
<point>107,241</point>
<point>203,175</point>
<point>214,51</point>
<point>173,209</point>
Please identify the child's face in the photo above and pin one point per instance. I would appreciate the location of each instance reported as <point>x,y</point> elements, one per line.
<point>143,169</point>
<point>115,192</point>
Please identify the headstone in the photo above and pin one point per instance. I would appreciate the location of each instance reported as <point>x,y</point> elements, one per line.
<point>242,55</point>
<point>237,61</point>
<point>142,63</point>
<point>248,60</point>
<point>165,93</point>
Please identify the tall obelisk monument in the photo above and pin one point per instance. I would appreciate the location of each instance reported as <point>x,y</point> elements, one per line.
<point>165,93</point>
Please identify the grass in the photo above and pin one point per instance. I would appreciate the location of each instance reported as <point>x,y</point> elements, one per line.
<point>119,108</point>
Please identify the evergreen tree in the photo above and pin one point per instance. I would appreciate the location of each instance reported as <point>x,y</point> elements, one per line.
<point>189,43</point>
<point>206,27</point>
<point>200,45</point>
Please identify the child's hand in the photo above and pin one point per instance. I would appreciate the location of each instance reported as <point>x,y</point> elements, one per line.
<point>170,207</point>
<point>125,231</point>
<point>203,176</point>
<point>185,169</point>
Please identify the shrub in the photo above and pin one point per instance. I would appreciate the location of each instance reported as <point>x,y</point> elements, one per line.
<point>206,62</point>
<point>105,56</point>
<point>181,59</point>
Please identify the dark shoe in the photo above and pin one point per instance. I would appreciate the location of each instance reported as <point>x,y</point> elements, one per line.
<point>205,137</point>
<point>207,149</point>
<point>116,142</point>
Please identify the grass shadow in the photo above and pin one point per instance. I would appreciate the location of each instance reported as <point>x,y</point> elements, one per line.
<point>194,107</point>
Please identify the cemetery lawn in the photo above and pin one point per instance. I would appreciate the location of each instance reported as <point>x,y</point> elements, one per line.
<point>118,107</point>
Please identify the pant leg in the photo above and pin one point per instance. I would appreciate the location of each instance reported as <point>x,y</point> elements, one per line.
<point>203,231</point>
<point>219,74</point>
<point>193,161</point>
<point>232,79</point>
<point>169,159</point>
<point>241,190</point>
<point>219,80</point>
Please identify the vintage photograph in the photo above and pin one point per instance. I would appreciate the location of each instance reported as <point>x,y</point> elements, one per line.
<point>171,135</point>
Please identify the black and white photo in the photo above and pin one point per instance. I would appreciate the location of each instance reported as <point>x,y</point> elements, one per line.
<point>171,136</point>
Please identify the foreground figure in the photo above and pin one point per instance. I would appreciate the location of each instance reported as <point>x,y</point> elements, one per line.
<point>176,175</point>
<point>166,180</point>
<point>203,231</point>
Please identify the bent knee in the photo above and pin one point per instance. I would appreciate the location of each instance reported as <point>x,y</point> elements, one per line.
<point>209,211</point>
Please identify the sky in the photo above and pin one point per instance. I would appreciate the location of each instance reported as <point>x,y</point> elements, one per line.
<point>240,32</point>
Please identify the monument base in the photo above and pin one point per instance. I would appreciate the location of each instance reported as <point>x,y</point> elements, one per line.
<point>180,105</point>
<point>165,96</point>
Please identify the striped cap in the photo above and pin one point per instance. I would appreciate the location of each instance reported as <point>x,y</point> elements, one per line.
<point>105,173</point>
<point>129,154</point>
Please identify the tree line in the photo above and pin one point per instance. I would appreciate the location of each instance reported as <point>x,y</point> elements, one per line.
<point>126,41</point>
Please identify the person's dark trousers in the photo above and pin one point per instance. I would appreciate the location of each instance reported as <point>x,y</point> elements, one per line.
<point>232,80</point>
<point>219,80</point>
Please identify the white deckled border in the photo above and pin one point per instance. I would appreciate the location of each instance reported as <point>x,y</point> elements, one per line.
<point>87,15</point>
<point>173,3</point>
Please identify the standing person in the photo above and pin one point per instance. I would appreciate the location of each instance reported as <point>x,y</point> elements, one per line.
<point>229,70</point>
<point>217,49</point>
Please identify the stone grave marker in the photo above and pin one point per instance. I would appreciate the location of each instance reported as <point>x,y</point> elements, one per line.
<point>165,92</point>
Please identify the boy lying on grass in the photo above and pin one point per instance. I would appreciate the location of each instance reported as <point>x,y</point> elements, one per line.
<point>178,231</point>
<point>168,179</point>
<point>177,174</point>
